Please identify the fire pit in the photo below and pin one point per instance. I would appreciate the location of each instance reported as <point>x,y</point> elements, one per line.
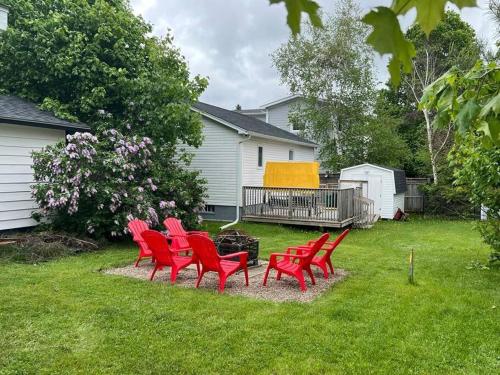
<point>232,241</point>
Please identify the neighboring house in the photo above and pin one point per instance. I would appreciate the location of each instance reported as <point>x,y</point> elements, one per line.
<point>277,112</point>
<point>24,128</point>
<point>385,186</point>
<point>234,153</point>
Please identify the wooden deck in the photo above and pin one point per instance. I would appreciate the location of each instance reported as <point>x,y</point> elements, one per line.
<point>324,207</point>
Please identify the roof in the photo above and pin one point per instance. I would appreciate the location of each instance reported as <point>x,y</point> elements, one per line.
<point>249,125</point>
<point>399,176</point>
<point>19,111</point>
<point>280,101</point>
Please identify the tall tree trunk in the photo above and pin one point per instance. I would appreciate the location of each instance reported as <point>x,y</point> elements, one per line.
<point>430,136</point>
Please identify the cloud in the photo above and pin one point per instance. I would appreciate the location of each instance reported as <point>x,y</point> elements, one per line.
<point>231,42</point>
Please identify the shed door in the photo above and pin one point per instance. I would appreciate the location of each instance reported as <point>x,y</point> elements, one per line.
<point>375,192</point>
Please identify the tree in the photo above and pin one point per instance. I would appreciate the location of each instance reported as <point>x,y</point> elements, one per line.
<point>452,43</point>
<point>386,36</point>
<point>331,68</point>
<point>238,107</point>
<point>94,61</point>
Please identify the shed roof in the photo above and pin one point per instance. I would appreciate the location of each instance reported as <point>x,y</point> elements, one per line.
<point>15,110</point>
<point>251,124</point>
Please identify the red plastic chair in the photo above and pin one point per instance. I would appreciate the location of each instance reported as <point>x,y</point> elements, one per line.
<point>289,266</point>
<point>206,253</point>
<point>166,257</point>
<point>322,261</point>
<point>178,235</point>
<point>137,227</point>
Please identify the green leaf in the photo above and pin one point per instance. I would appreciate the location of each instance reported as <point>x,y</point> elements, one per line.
<point>387,37</point>
<point>294,10</point>
<point>492,105</point>
<point>464,3</point>
<point>402,6</point>
<point>467,116</point>
<point>429,14</point>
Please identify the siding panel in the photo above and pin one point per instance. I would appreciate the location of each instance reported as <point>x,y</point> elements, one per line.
<point>16,144</point>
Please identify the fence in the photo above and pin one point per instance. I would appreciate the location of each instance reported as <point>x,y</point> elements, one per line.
<point>414,198</point>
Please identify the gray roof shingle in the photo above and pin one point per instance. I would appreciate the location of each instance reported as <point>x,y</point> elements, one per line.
<point>17,110</point>
<point>249,123</point>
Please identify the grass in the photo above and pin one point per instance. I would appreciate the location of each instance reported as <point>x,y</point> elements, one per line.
<point>66,317</point>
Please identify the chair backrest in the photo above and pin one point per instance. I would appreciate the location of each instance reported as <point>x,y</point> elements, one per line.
<point>158,245</point>
<point>335,243</point>
<point>205,251</point>
<point>174,227</point>
<point>315,248</point>
<point>137,227</point>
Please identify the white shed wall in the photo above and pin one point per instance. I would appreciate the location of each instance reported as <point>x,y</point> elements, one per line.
<point>399,202</point>
<point>16,144</point>
<point>380,187</point>
<point>217,159</point>
<point>272,151</point>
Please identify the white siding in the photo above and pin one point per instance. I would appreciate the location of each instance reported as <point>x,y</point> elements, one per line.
<point>381,188</point>
<point>217,160</point>
<point>272,151</point>
<point>277,115</point>
<point>399,202</point>
<point>16,144</point>
<point>4,14</point>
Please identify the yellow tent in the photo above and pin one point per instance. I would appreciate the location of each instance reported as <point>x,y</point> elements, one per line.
<point>292,174</point>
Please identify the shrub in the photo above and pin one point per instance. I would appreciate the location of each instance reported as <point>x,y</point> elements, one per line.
<point>96,184</point>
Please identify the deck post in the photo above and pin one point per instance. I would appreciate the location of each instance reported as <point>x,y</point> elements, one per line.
<point>290,199</point>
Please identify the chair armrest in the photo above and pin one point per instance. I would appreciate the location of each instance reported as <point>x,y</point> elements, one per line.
<point>238,254</point>
<point>200,232</point>
<point>295,256</point>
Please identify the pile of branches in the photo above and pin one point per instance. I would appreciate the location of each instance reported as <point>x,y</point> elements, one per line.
<point>34,247</point>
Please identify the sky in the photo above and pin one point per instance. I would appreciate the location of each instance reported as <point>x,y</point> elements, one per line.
<point>230,42</point>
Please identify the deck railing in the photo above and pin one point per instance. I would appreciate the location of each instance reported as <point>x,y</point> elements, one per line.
<point>329,206</point>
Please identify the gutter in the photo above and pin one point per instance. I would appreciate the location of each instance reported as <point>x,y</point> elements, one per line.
<point>239,187</point>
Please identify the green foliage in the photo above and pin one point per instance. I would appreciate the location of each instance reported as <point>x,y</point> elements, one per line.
<point>96,62</point>
<point>446,200</point>
<point>477,172</point>
<point>294,13</point>
<point>470,100</point>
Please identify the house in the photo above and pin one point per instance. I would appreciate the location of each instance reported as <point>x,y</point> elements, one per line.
<point>277,112</point>
<point>385,186</point>
<point>24,128</point>
<point>234,153</point>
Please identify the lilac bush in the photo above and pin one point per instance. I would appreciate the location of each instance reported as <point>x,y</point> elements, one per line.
<point>96,184</point>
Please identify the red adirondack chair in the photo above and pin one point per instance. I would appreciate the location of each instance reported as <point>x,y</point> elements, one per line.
<point>322,261</point>
<point>137,227</point>
<point>206,253</point>
<point>289,266</point>
<point>165,256</point>
<point>178,235</point>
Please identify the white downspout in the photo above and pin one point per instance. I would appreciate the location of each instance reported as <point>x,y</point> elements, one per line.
<point>239,184</point>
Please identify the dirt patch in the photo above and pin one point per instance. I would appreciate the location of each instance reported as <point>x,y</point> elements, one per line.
<point>285,290</point>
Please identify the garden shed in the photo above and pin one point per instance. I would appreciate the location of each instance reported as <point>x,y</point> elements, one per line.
<point>385,186</point>
<point>24,128</point>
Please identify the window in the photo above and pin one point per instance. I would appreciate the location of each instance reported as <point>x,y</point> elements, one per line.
<point>260,158</point>
<point>290,155</point>
<point>210,208</point>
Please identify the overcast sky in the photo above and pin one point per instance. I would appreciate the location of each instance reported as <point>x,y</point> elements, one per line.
<point>230,41</point>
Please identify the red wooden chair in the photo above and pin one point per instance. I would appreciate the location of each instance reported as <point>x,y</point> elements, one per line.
<point>137,227</point>
<point>322,261</point>
<point>206,253</point>
<point>178,235</point>
<point>289,266</point>
<point>166,257</point>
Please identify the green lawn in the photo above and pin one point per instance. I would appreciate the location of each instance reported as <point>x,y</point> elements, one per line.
<point>66,317</point>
